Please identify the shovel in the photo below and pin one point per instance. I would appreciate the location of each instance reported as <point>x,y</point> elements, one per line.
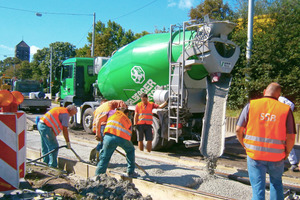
<point>94,154</point>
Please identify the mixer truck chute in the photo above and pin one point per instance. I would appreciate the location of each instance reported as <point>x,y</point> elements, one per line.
<point>189,67</point>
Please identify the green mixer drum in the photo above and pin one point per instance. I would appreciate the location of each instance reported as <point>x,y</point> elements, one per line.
<point>140,67</point>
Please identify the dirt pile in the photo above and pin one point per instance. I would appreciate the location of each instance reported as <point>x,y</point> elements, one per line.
<point>50,180</point>
<point>70,186</point>
<point>106,187</point>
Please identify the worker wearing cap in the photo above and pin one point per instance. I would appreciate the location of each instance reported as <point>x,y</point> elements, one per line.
<point>100,117</point>
<point>49,126</point>
<point>292,156</point>
<point>117,133</point>
<point>143,120</point>
<point>266,129</point>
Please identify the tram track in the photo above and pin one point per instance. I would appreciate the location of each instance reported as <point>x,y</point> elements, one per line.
<point>180,158</point>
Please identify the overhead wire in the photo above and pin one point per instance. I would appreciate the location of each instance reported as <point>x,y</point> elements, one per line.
<point>77,14</point>
<point>48,13</point>
<point>84,36</point>
<point>134,10</point>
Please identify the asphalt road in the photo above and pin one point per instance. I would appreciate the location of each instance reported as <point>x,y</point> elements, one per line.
<point>234,155</point>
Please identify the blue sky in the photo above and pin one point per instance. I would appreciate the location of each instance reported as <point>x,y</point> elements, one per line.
<point>19,21</point>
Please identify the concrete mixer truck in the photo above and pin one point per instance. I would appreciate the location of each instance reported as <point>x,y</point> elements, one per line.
<point>189,67</point>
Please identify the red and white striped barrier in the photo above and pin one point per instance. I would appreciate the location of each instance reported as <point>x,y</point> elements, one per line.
<point>12,149</point>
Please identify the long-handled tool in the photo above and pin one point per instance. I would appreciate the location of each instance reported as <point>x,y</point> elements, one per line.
<point>56,149</point>
<point>94,155</point>
<point>135,162</point>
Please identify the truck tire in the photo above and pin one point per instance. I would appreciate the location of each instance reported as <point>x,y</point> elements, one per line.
<point>156,128</point>
<point>72,123</point>
<point>87,121</point>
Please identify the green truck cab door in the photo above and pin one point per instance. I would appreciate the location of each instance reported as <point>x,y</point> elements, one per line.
<point>67,81</point>
<point>79,82</point>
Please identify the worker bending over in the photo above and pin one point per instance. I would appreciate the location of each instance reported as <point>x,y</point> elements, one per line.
<point>143,119</point>
<point>100,118</point>
<point>266,129</point>
<point>49,126</point>
<point>117,133</point>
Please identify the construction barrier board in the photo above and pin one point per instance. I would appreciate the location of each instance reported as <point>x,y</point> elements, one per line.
<point>12,149</point>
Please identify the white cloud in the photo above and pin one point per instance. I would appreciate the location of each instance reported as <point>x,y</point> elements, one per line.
<point>171,3</point>
<point>6,47</point>
<point>33,49</point>
<point>184,4</point>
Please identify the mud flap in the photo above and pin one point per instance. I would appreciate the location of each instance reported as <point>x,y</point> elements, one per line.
<point>214,127</point>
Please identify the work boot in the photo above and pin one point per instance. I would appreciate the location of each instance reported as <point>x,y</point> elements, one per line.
<point>133,175</point>
<point>295,168</point>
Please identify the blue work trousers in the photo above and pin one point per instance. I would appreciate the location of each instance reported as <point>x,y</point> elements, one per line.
<point>49,142</point>
<point>257,170</point>
<point>100,144</point>
<point>110,143</point>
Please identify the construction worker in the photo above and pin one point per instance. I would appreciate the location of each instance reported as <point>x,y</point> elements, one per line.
<point>117,133</point>
<point>292,156</point>
<point>266,129</point>
<point>143,121</point>
<point>49,126</point>
<point>100,118</point>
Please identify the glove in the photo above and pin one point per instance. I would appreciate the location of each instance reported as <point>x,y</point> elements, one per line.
<point>68,145</point>
<point>98,138</point>
<point>134,128</point>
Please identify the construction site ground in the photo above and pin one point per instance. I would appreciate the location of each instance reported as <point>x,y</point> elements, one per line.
<point>178,167</point>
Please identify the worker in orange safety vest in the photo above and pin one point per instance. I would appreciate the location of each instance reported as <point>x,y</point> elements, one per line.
<point>49,126</point>
<point>100,118</point>
<point>266,130</point>
<point>143,119</point>
<point>117,133</point>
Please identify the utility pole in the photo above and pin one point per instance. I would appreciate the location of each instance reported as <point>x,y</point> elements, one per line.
<point>51,49</point>
<point>250,29</point>
<point>93,36</point>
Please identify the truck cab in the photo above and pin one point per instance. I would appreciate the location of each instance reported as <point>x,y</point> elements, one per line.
<point>77,77</point>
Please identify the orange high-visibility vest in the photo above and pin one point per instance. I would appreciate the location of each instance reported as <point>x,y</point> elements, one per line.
<point>51,119</point>
<point>265,134</point>
<point>119,124</point>
<point>145,113</point>
<point>100,114</point>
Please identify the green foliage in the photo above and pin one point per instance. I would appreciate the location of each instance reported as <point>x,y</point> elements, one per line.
<point>41,62</point>
<point>216,9</point>
<point>275,53</point>
<point>108,38</point>
<point>9,66</point>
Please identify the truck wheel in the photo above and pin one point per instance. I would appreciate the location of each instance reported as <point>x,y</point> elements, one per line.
<point>156,142</point>
<point>72,123</point>
<point>87,121</point>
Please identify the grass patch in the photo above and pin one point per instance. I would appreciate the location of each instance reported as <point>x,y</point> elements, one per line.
<point>236,113</point>
<point>233,113</point>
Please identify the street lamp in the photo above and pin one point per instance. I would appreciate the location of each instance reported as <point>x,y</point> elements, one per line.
<point>40,14</point>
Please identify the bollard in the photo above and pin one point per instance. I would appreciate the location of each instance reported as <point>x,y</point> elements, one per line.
<point>12,141</point>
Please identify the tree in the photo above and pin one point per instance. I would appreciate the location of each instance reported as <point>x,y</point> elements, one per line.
<point>108,38</point>
<point>25,71</point>
<point>9,66</point>
<point>41,62</point>
<point>216,9</point>
<point>275,53</point>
